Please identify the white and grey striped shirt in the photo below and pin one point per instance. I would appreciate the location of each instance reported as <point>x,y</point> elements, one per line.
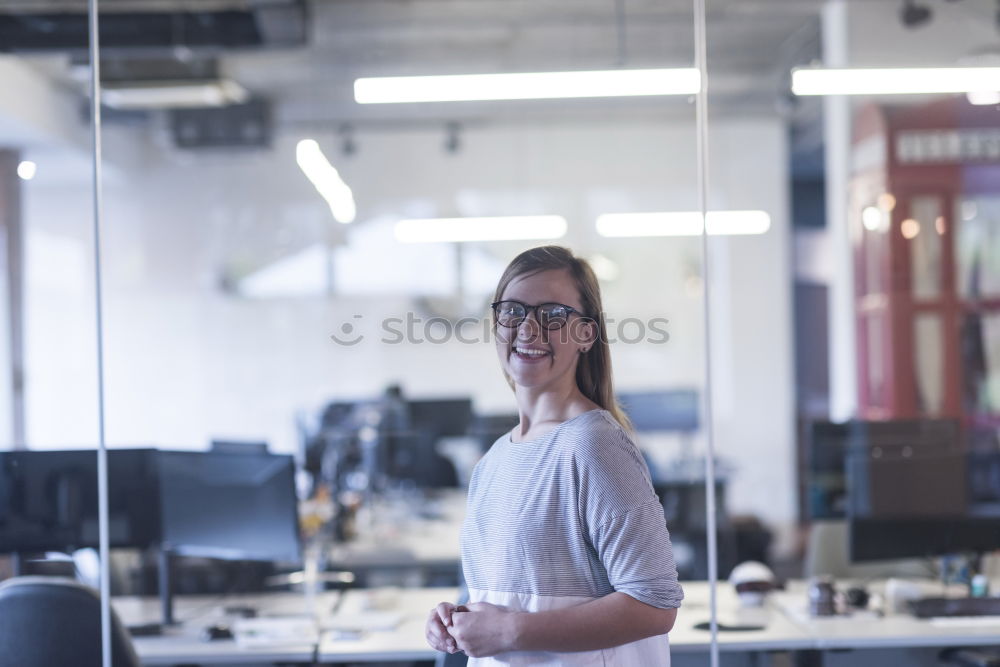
<point>563,519</point>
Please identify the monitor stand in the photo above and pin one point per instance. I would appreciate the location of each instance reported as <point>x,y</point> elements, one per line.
<point>165,587</point>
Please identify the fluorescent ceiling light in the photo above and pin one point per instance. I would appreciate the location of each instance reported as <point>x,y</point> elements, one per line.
<point>683,223</point>
<point>172,94</point>
<point>458,230</point>
<point>327,180</point>
<point>527,86</point>
<point>26,170</point>
<point>899,81</point>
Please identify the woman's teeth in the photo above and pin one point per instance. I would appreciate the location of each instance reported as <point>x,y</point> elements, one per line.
<point>530,353</point>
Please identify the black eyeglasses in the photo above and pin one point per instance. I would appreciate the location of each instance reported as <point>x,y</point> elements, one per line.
<point>549,315</point>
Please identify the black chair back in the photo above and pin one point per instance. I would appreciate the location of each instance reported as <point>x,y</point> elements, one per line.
<point>56,622</point>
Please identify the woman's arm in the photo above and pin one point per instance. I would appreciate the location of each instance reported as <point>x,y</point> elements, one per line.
<point>612,620</point>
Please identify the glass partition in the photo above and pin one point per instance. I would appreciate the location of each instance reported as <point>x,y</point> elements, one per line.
<point>300,263</point>
<point>851,350</point>
<point>288,272</point>
<point>49,522</point>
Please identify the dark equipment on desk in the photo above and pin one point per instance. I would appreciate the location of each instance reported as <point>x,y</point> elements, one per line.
<point>909,493</point>
<point>211,504</point>
<point>216,632</point>
<point>387,440</point>
<point>938,607</point>
<point>830,443</point>
<point>442,417</point>
<point>667,410</point>
<point>487,429</point>
<point>48,621</point>
<point>48,500</point>
<point>707,625</point>
<point>430,420</point>
<point>230,506</point>
<point>825,477</point>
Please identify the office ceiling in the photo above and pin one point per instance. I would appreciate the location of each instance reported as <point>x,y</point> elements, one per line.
<point>752,45</point>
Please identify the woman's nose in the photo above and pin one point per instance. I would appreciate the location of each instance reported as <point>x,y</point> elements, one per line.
<point>528,326</point>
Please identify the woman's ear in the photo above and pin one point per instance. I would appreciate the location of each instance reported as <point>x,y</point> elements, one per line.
<point>585,335</point>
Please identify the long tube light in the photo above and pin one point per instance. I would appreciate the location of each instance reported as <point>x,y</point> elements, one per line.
<point>683,223</point>
<point>459,230</point>
<point>896,81</point>
<point>327,180</point>
<point>526,86</point>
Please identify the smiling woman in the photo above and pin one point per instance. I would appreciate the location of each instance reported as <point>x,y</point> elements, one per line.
<point>565,548</point>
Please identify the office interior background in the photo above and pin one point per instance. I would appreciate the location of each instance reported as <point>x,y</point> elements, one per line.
<point>855,279</point>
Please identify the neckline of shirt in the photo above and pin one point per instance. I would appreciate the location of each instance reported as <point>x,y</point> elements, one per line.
<point>554,429</point>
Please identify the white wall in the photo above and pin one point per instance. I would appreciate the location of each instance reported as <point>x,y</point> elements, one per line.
<point>186,362</point>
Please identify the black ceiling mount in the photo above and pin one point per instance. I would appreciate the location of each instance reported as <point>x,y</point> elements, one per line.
<point>913,15</point>
<point>271,25</point>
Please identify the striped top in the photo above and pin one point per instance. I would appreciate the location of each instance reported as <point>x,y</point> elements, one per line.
<point>571,514</point>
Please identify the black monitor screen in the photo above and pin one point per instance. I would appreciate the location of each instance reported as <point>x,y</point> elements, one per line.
<point>670,410</point>
<point>441,417</point>
<point>48,500</point>
<point>226,505</point>
<point>912,494</point>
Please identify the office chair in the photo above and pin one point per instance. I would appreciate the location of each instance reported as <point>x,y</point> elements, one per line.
<point>56,622</point>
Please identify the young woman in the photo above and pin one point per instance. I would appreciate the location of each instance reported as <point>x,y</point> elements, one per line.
<point>564,548</point>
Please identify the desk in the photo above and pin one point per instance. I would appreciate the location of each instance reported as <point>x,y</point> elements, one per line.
<point>780,632</point>
<point>786,630</point>
<point>405,643</point>
<point>183,645</point>
<point>890,631</point>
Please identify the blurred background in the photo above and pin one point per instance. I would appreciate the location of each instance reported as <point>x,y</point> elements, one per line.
<point>273,280</point>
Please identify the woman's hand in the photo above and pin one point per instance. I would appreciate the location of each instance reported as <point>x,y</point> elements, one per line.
<point>484,630</point>
<point>436,630</point>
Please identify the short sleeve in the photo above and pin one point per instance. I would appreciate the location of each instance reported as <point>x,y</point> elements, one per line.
<point>624,519</point>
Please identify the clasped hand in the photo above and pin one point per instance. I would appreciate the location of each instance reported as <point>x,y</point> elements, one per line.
<point>479,629</point>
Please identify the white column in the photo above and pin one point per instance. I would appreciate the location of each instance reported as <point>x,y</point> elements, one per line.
<point>11,308</point>
<point>837,139</point>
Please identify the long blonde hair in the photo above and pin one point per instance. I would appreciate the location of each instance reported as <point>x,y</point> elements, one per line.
<point>593,370</point>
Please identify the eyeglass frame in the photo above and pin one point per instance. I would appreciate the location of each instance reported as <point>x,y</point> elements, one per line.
<point>528,310</point>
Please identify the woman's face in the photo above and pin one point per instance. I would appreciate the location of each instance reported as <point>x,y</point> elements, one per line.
<point>536,357</point>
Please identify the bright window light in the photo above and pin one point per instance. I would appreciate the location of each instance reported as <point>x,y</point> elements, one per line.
<point>897,81</point>
<point>527,86</point>
<point>27,169</point>
<point>458,230</point>
<point>683,223</point>
<point>327,180</point>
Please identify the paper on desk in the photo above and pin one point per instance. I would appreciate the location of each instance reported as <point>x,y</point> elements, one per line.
<point>269,631</point>
<point>361,621</point>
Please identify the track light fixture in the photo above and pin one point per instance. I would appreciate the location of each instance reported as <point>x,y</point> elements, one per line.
<point>913,15</point>
<point>348,146</point>
<point>452,137</point>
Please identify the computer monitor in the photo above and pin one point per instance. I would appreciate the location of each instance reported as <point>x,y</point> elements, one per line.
<point>825,473</point>
<point>909,494</point>
<point>230,506</point>
<point>441,417</point>
<point>666,410</point>
<point>828,445</point>
<point>48,500</point>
